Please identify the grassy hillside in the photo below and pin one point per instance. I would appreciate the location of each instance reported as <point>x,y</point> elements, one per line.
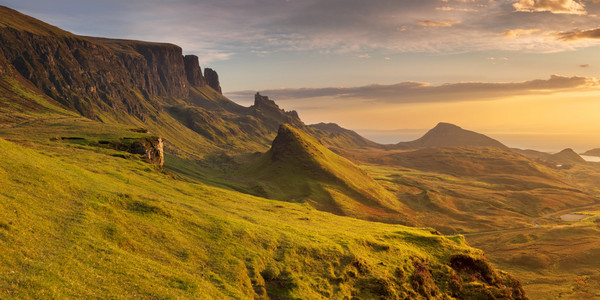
<point>471,189</point>
<point>298,168</point>
<point>20,102</point>
<point>332,135</point>
<point>560,260</point>
<point>78,223</point>
<point>13,19</point>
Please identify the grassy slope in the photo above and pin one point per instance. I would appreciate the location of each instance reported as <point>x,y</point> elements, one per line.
<point>471,189</point>
<point>298,168</point>
<point>14,19</point>
<point>20,102</point>
<point>79,223</point>
<point>560,260</point>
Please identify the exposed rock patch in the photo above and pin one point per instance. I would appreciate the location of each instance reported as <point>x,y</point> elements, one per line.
<point>212,79</point>
<point>193,71</point>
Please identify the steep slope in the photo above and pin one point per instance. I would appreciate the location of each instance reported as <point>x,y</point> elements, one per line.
<point>449,135</point>
<point>298,168</point>
<point>78,223</point>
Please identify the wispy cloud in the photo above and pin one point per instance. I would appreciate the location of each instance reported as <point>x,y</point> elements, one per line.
<point>438,23</point>
<point>515,33</point>
<point>449,8</point>
<point>553,6</point>
<point>221,29</point>
<point>577,34</point>
<point>409,92</point>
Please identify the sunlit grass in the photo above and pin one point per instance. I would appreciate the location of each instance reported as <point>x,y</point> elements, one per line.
<point>78,223</point>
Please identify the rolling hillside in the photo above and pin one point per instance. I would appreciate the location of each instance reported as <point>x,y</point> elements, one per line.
<point>79,222</point>
<point>298,168</point>
<point>466,189</point>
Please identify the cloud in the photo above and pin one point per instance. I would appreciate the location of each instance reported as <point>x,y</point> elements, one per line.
<point>584,66</point>
<point>449,8</point>
<point>515,33</point>
<point>553,6</point>
<point>411,92</point>
<point>577,34</point>
<point>438,23</point>
<point>225,29</point>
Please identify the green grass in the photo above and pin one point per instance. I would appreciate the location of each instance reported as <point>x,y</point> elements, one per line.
<point>13,19</point>
<point>501,191</point>
<point>19,104</point>
<point>82,224</point>
<point>299,169</point>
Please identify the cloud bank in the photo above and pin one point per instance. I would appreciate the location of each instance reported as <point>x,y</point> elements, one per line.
<point>553,6</point>
<point>411,92</point>
<point>222,29</point>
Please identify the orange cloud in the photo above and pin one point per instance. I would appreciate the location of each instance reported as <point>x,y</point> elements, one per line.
<point>577,34</point>
<point>411,92</point>
<point>553,6</point>
<point>438,23</point>
<point>515,33</point>
<point>449,8</point>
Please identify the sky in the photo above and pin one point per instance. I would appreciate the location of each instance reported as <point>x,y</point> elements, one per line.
<point>523,71</point>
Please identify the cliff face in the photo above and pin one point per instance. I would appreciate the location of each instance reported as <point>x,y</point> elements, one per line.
<point>212,79</point>
<point>93,75</point>
<point>267,110</point>
<point>193,71</point>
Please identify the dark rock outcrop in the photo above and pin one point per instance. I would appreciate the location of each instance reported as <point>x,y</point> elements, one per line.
<point>273,116</point>
<point>212,79</point>
<point>150,148</point>
<point>193,71</point>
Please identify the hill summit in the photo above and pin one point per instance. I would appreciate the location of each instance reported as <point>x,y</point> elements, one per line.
<point>567,156</point>
<point>298,168</point>
<point>450,135</point>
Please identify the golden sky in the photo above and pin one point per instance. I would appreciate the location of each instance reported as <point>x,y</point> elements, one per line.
<point>509,67</point>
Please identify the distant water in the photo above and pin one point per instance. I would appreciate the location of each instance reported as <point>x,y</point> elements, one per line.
<point>591,158</point>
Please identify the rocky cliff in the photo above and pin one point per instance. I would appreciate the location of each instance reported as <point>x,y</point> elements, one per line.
<point>193,71</point>
<point>274,116</point>
<point>93,75</point>
<point>212,79</point>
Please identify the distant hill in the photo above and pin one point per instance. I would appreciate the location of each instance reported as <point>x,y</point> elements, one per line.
<point>564,157</point>
<point>333,135</point>
<point>593,152</point>
<point>449,135</point>
<point>298,168</point>
<point>567,156</point>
